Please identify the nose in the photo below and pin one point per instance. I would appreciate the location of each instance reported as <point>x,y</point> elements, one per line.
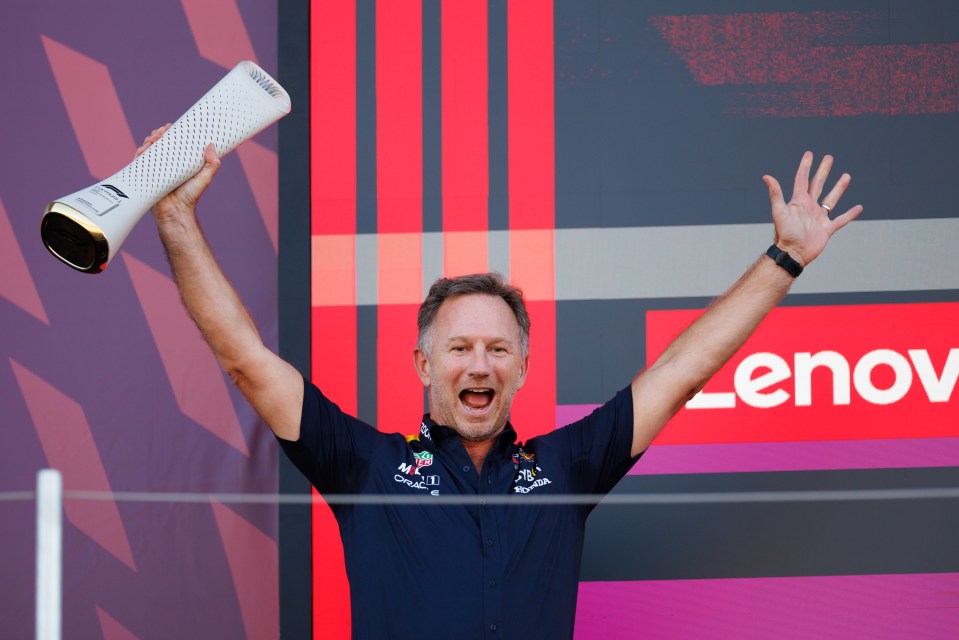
<point>479,364</point>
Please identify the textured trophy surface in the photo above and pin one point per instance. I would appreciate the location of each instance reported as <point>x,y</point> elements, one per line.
<point>85,229</point>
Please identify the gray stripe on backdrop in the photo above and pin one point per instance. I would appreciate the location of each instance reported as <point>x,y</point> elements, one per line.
<point>704,260</point>
<point>693,261</point>
<point>367,261</point>
<point>432,259</point>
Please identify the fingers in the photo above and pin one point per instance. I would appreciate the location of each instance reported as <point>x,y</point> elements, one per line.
<point>819,179</point>
<point>831,199</point>
<point>846,218</point>
<point>801,185</point>
<point>155,135</point>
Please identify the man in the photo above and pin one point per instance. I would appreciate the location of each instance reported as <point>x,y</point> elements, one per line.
<point>476,569</point>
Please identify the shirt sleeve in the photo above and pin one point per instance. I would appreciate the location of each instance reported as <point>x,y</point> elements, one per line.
<point>597,448</point>
<point>334,448</point>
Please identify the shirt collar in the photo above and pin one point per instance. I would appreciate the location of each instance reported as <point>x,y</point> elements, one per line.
<point>431,434</point>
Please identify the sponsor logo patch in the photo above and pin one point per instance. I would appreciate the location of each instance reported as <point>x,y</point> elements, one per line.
<point>420,460</point>
<point>526,472</point>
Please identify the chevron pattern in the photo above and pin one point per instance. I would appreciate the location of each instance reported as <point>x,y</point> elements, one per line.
<point>105,377</point>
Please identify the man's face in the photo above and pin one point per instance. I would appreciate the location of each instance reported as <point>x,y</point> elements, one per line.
<point>475,366</point>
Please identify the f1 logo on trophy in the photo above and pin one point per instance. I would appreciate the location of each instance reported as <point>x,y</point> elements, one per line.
<point>85,229</point>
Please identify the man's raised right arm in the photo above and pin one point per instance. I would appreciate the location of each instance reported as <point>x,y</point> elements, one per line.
<point>271,385</point>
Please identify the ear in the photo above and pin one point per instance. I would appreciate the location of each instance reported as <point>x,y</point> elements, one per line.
<point>523,372</point>
<point>422,365</point>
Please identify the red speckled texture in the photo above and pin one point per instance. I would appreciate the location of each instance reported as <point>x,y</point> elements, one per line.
<point>813,64</point>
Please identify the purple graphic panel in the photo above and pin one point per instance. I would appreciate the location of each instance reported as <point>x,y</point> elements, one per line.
<point>785,456</point>
<point>104,376</point>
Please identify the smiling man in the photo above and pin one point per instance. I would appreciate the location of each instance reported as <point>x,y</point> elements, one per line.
<point>482,569</point>
<point>478,569</point>
<point>480,330</point>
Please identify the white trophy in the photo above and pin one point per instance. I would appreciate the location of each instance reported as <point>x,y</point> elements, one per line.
<point>85,229</point>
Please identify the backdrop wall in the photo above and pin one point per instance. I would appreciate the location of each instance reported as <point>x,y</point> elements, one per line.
<point>607,156</point>
<point>104,377</point>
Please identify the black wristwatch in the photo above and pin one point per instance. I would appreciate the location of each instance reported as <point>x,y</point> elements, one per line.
<point>784,260</point>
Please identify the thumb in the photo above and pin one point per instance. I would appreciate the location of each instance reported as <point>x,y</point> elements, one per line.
<point>775,191</point>
<point>211,164</point>
<point>196,185</point>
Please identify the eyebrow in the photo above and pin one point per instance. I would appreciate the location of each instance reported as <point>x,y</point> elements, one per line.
<point>464,338</point>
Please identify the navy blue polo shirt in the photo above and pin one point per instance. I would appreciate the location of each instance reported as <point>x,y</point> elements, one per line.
<point>461,571</point>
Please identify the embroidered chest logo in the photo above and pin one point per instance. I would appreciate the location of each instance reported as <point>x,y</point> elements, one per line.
<point>420,460</point>
<point>527,472</point>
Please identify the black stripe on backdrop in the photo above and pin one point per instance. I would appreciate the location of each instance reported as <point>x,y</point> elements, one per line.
<point>366,203</point>
<point>432,117</point>
<point>294,307</point>
<point>498,101</point>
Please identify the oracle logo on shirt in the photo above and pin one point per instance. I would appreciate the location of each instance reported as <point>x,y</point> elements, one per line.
<point>826,373</point>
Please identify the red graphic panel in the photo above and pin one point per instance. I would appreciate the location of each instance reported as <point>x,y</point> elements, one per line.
<point>399,186</point>
<point>113,630</point>
<point>333,225</point>
<point>262,170</point>
<point>532,202</point>
<point>465,136</point>
<point>826,373</point>
<point>18,286</point>
<point>254,564</point>
<point>67,440</point>
<point>195,376</point>
<point>94,109</point>
<point>219,31</point>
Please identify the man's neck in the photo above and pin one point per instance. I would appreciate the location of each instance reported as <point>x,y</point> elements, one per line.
<point>477,451</point>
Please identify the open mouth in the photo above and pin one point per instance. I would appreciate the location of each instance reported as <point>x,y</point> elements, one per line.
<point>476,399</point>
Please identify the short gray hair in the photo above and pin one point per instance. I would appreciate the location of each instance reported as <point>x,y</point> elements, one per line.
<point>490,284</point>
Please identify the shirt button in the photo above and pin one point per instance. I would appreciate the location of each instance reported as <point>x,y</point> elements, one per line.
<point>466,469</point>
<point>492,627</point>
<point>489,542</point>
<point>492,583</point>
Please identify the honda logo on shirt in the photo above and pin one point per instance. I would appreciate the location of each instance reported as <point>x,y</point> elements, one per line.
<point>826,373</point>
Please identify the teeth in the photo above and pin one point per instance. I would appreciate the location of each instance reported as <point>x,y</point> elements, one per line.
<point>478,390</point>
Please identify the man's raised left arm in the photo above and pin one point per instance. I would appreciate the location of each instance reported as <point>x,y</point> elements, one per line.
<point>803,227</point>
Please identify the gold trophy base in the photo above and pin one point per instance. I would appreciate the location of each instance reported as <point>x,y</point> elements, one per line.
<point>74,239</point>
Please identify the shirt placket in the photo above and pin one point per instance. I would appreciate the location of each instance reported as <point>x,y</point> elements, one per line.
<point>492,552</point>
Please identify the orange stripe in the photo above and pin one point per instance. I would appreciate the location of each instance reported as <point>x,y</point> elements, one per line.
<point>532,257</point>
<point>465,252</point>
<point>333,273</point>
<point>400,268</point>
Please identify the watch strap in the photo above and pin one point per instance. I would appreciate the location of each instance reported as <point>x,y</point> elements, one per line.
<point>784,260</point>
